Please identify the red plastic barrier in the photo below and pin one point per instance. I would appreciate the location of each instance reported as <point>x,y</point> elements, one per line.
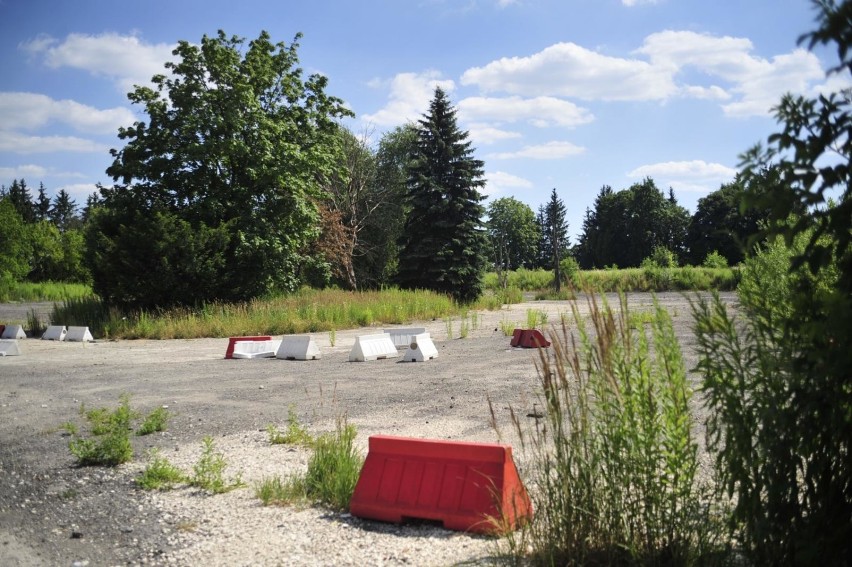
<point>233,340</point>
<point>466,486</point>
<point>529,338</point>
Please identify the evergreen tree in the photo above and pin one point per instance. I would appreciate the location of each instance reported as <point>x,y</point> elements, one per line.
<point>555,235</point>
<point>63,212</point>
<point>19,195</point>
<point>443,242</point>
<point>42,204</point>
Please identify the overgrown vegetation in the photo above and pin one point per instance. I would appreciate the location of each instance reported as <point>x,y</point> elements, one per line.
<point>614,473</point>
<point>295,434</point>
<point>154,422</point>
<point>160,474</point>
<point>209,471</point>
<point>20,291</point>
<point>333,470</point>
<point>109,444</point>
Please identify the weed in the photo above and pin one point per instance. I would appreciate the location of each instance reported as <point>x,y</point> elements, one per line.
<point>614,461</point>
<point>154,422</point>
<point>332,337</point>
<point>35,324</point>
<point>160,474</point>
<point>296,434</point>
<point>110,445</point>
<point>508,327</point>
<point>464,329</point>
<point>209,471</point>
<point>334,467</point>
<point>536,318</point>
<point>275,491</point>
<point>448,325</point>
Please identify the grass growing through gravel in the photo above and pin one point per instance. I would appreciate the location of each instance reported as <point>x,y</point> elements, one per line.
<point>209,471</point>
<point>333,470</point>
<point>160,474</point>
<point>109,444</point>
<point>294,434</point>
<point>613,473</point>
<point>154,422</point>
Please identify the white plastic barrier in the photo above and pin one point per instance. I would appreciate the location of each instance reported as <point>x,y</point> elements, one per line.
<point>55,333</point>
<point>79,335</point>
<point>372,347</point>
<point>9,347</point>
<point>421,349</point>
<point>13,332</point>
<point>403,337</point>
<point>255,349</point>
<point>299,347</point>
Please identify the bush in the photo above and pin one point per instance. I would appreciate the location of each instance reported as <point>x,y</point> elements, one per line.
<point>160,474</point>
<point>715,260</point>
<point>780,425</point>
<point>614,465</point>
<point>154,422</point>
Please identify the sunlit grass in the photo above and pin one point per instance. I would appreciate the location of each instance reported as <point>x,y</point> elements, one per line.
<point>41,291</point>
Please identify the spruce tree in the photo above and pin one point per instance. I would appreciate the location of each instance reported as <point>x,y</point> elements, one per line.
<point>443,243</point>
<point>555,235</point>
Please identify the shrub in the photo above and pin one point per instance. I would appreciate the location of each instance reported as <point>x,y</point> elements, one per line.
<point>334,467</point>
<point>154,422</point>
<point>209,471</point>
<point>110,445</point>
<point>715,260</point>
<point>160,474</point>
<point>614,465</point>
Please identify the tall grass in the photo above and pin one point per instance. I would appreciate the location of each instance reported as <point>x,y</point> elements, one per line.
<point>303,312</point>
<point>41,291</point>
<point>613,473</point>
<point>651,278</point>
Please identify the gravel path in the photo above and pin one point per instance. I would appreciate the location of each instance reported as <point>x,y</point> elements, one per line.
<point>55,513</point>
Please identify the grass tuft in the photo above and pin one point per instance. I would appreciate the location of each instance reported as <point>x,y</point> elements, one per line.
<point>209,471</point>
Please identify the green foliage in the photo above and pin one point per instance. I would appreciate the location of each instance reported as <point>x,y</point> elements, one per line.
<point>624,227</point>
<point>296,433</point>
<point>216,192</point>
<point>512,234</point>
<point>110,445</point>
<point>536,318</point>
<point>792,361</point>
<point>209,471</point>
<point>12,291</point>
<point>159,474</point>
<point>714,260</point>
<point>154,422</point>
<point>614,464</point>
<point>554,243</point>
<point>443,246</point>
<point>14,251</point>
<point>334,467</point>
<point>781,460</point>
<point>275,491</point>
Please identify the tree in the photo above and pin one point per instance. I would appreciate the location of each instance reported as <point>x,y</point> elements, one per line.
<point>235,152</point>
<point>443,244</point>
<point>15,248</point>
<point>555,236</point>
<point>42,204</point>
<point>63,212</point>
<point>782,390</point>
<point>722,224</point>
<point>20,197</point>
<point>626,226</point>
<point>512,233</point>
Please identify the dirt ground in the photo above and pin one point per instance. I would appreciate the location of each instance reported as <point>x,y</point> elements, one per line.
<point>55,513</point>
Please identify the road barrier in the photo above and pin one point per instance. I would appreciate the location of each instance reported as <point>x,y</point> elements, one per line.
<point>256,349</point>
<point>79,335</point>
<point>465,486</point>
<point>404,336</point>
<point>299,347</point>
<point>372,347</point>
<point>421,349</point>
<point>9,347</point>
<point>528,338</point>
<point>13,332</point>
<point>229,353</point>
<point>55,333</point>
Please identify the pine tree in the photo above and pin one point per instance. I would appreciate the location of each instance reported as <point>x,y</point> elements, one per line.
<point>19,195</point>
<point>443,243</point>
<point>555,235</point>
<point>63,213</point>
<point>42,204</point>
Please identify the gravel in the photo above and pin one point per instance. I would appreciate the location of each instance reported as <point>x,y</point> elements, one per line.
<point>55,513</point>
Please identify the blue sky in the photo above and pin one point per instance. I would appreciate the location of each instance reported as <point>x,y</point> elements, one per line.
<point>565,94</point>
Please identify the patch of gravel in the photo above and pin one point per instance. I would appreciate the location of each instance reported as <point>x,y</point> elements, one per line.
<point>55,513</point>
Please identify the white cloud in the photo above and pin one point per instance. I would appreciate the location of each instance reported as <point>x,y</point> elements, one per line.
<point>30,110</point>
<point>567,69</point>
<point>541,111</point>
<point>409,97</point>
<point>500,182</point>
<point>125,59</point>
<point>758,83</point>
<point>14,142</point>
<point>694,169</point>
<point>550,150</point>
<point>79,191</point>
<point>25,171</point>
<point>487,134</point>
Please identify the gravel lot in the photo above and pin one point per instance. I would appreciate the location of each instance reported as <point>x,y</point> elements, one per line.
<point>55,513</point>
